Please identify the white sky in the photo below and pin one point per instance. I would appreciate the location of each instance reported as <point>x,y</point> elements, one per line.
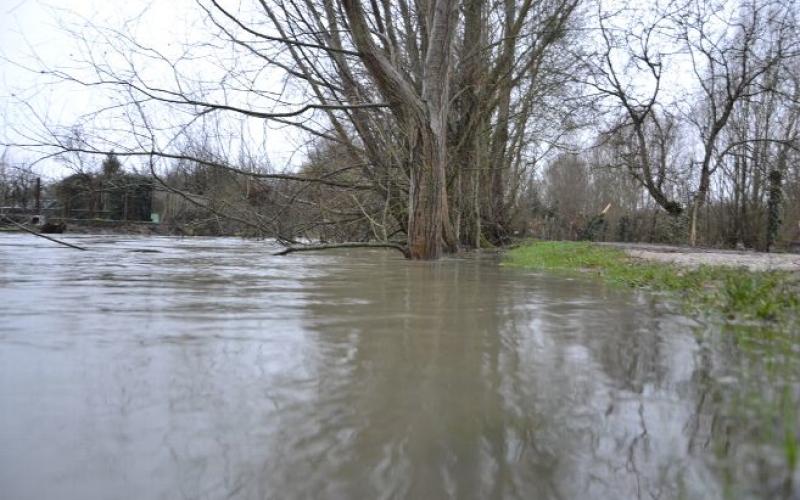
<point>30,29</point>
<point>37,27</point>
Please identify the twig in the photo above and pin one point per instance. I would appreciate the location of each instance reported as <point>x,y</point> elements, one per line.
<point>356,244</point>
<point>76,247</point>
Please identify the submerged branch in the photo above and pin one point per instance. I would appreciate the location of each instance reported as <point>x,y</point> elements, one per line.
<point>356,244</point>
<point>21,226</point>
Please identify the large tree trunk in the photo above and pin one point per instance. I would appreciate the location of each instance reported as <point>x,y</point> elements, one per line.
<point>699,201</point>
<point>498,231</point>
<point>426,199</point>
<point>424,117</point>
<point>496,182</point>
<point>436,96</point>
<point>468,142</point>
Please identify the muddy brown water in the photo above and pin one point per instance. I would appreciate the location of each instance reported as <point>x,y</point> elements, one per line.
<point>211,369</point>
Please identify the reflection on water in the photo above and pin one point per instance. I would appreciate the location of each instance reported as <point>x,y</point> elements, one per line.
<point>212,369</point>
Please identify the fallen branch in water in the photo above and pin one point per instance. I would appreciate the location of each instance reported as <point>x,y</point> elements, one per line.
<point>330,246</point>
<point>17,224</point>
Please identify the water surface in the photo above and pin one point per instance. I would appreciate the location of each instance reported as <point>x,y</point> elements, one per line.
<point>211,369</point>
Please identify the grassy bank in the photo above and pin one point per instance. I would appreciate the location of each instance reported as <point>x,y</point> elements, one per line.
<point>735,293</point>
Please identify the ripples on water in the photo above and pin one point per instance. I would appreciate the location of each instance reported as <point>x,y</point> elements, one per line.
<point>212,369</point>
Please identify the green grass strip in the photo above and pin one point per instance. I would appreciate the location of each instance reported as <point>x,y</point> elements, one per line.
<point>735,293</point>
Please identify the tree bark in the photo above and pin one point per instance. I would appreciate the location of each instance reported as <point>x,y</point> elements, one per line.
<point>423,117</point>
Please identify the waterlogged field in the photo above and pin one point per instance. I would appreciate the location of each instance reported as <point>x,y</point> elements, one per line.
<point>208,368</point>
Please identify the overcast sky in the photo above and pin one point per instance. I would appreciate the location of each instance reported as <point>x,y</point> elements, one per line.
<point>31,29</point>
<point>37,28</point>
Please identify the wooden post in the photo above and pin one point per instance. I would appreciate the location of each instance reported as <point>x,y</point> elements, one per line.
<point>38,195</point>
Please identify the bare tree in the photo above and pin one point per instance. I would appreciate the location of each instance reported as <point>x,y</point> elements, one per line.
<point>730,52</point>
<point>434,104</point>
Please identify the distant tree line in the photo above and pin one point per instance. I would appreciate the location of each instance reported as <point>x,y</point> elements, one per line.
<point>17,184</point>
<point>575,188</point>
<point>110,193</point>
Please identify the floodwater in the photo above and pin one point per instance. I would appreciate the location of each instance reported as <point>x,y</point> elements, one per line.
<point>210,369</point>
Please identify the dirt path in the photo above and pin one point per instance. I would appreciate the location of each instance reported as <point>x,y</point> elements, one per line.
<point>693,257</point>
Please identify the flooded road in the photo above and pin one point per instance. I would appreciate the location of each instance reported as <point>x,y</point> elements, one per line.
<point>210,369</point>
